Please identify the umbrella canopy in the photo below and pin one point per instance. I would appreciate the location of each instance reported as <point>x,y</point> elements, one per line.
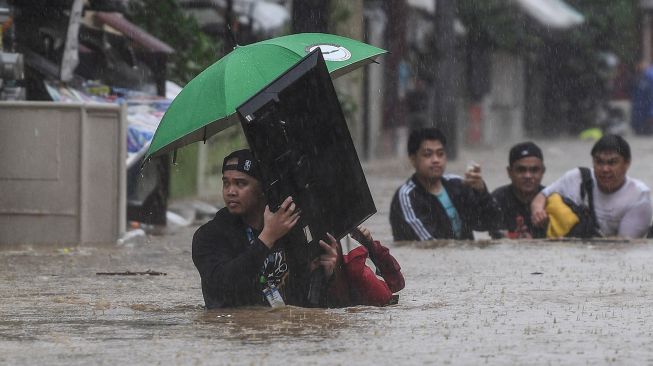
<point>207,104</point>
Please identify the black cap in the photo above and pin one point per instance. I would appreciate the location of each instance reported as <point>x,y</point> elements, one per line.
<point>246,163</point>
<point>524,150</point>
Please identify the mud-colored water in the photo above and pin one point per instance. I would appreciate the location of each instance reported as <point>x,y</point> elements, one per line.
<point>530,302</point>
<point>487,302</point>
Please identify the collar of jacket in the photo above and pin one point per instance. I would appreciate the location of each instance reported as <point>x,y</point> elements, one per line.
<point>452,189</point>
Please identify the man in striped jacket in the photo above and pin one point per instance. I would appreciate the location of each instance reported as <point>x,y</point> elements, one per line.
<point>432,205</point>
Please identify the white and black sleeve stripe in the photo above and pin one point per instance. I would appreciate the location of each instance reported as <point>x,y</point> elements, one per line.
<point>409,213</point>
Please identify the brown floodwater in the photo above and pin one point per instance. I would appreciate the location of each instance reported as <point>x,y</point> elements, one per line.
<point>531,302</point>
<point>486,302</point>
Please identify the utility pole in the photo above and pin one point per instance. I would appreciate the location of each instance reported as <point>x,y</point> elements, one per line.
<point>445,74</point>
<point>228,26</point>
<point>70,58</point>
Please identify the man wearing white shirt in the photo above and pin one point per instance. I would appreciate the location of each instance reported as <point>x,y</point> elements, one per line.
<point>622,204</point>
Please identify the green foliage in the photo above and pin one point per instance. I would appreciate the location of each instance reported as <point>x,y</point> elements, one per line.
<point>580,73</point>
<point>572,60</point>
<point>338,15</point>
<point>498,24</point>
<point>610,25</point>
<point>165,19</point>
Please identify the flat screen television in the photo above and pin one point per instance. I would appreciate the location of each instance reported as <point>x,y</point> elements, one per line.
<point>297,132</point>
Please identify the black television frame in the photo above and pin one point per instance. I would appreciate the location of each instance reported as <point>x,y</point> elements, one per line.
<point>298,134</point>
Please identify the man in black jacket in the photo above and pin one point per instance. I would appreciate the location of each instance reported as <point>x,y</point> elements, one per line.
<point>249,255</point>
<point>431,205</point>
<point>525,170</point>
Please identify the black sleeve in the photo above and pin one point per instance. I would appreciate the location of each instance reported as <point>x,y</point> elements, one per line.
<point>487,215</point>
<point>502,223</point>
<point>221,267</point>
<point>401,230</point>
<point>298,257</point>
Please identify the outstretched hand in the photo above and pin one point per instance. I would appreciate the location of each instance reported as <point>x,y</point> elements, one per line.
<point>277,224</point>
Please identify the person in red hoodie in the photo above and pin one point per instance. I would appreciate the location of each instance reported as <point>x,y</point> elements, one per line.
<point>356,284</point>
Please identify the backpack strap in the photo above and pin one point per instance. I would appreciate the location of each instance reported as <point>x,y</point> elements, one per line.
<point>587,188</point>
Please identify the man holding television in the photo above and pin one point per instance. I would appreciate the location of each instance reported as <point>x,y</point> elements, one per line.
<point>249,255</point>
<point>432,205</point>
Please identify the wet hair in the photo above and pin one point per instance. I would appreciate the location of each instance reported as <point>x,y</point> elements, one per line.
<point>612,143</point>
<point>420,135</point>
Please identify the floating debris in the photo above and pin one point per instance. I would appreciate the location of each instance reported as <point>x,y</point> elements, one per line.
<point>130,273</point>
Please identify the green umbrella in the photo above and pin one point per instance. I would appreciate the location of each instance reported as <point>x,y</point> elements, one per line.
<point>207,104</point>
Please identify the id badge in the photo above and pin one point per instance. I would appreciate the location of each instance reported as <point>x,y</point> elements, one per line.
<point>273,296</point>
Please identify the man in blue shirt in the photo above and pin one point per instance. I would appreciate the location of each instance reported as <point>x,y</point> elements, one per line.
<point>432,205</point>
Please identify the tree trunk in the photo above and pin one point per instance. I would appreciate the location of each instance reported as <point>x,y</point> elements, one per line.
<point>445,77</point>
<point>310,16</point>
<point>395,34</point>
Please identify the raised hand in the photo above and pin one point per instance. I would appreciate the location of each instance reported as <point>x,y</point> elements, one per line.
<point>327,260</point>
<point>474,178</point>
<point>362,235</point>
<point>277,224</point>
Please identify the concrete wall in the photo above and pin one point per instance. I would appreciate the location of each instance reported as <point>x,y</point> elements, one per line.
<point>62,173</point>
<point>504,105</point>
<point>350,86</point>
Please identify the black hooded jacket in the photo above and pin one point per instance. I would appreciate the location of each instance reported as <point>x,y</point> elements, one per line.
<point>416,214</point>
<point>230,266</point>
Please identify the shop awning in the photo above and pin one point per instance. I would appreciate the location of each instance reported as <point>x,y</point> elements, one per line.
<point>133,32</point>
<point>262,15</point>
<point>552,13</point>
<point>426,5</point>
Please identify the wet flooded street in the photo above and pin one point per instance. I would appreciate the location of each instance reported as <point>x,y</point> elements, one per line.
<point>512,303</point>
<point>123,123</point>
<point>528,302</point>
